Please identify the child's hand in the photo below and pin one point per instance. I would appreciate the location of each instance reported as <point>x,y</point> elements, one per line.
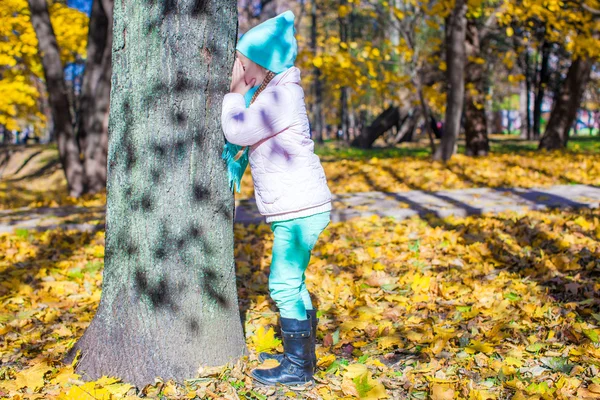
<point>238,83</point>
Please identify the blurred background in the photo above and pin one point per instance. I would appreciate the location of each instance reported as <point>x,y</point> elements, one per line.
<point>415,78</point>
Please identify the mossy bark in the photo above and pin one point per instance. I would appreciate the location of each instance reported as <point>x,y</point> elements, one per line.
<point>169,301</point>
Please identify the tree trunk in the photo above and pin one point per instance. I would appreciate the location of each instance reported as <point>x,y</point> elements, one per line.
<point>523,109</point>
<point>343,22</point>
<point>169,301</point>
<point>476,128</point>
<point>426,114</point>
<point>58,97</point>
<point>524,97</point>
<point>351,122</point>
<point>529,116</point>
<point>344,113</point>
<point>407,127</point>
<point>456,25</point>
<point>92,130</point>
<point>318,91</point>
<point>566,105</point>
<point>6,135</point>
<point>384,122</point>
<point>541,90</point>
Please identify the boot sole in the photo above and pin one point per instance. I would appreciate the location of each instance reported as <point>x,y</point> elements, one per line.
<point>298,385</point>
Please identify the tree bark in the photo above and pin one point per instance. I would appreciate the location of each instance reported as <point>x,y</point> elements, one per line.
<point>169,301</point>
<point>92,129</point>
<point>541,90</point>
<point>58,97</point>
<point>426,114</point>
<point>384,122</point>
<point>566,105</point>
<point>406,127</point>
<point>343,22</point>
<point>317,87</point>
<point>6,135</point>
<point>476,128</point>
<point>525,101</point>
<point>523,109</point>
<point>528,88</point>
<point>456,25</point>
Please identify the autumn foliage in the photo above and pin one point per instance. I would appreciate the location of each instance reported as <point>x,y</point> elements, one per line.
<point>484,307</point>
<point>21,73</point>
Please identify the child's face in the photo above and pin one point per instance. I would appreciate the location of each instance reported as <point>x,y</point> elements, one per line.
<point>252,70</point>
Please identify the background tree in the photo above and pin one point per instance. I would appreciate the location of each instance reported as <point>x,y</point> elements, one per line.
<point>476,120</point>
<point>585,49</point>
<point>62,118</point>
<point>344,11</point>
<point>21,72</point>
<point>317,90</point>
<point>169,301</point>
<point>566,105</point>
<point>80,129</point>
<point>456,26</point>
<point>92,121</point>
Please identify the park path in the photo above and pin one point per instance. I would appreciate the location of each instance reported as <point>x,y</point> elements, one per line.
<point>400,205</point>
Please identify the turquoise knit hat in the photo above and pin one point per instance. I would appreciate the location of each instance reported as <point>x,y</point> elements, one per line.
<point>272,44</point>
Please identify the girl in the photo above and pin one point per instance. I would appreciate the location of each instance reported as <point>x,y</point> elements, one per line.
<point>265,112</point>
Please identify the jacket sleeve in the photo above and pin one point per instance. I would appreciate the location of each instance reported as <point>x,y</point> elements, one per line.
<point>271,113</point>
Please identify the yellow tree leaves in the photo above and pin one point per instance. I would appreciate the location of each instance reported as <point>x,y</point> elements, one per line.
<point>442,392</point>
<point>264,340</point>
<point>104,388</point>
<point>18,47</point>
<point>71,30</point>
<point>479,307</point>
<point>565,23</point>
<point>366,63</point>
<point>486,314</point>
<point>20,67</point>
<point>358,382</point>
<point>440,308</point>
<point>20,102</point>
<point>31,378</point>
<point>526,169</point>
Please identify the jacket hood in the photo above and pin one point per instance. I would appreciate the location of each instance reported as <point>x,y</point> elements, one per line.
<point>290,75</point>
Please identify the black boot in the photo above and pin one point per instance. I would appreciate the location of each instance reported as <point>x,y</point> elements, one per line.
<point>312,316</point>
<point>296,366</point>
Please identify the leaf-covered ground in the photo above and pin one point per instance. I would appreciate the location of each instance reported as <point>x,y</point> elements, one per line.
<point>32,177</point>
<point>487,307</point>
<point>524,169</point>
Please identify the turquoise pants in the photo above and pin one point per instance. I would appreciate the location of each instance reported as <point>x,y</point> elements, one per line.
<point>294,241</point>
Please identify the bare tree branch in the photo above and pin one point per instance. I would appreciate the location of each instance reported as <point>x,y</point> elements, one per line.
<point>594,11</point>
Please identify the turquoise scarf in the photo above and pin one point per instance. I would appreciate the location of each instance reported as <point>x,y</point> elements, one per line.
<point>236,169</point>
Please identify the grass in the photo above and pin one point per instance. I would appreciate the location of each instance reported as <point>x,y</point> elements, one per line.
<point>501,144</point>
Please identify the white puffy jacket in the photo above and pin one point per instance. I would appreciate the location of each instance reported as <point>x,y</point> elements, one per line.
<point>289,181</point>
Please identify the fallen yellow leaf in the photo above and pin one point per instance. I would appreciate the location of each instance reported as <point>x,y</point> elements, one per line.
<point>477,346</point>
<point>441,392</point>
<point>265,341</point>
<point>33,377</point>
